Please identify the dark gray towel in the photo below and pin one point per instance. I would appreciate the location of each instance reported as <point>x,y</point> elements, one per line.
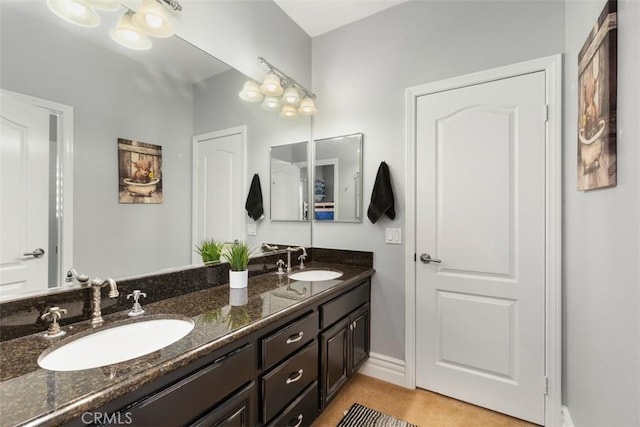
<point>254,199</point>
<point>382,201</point>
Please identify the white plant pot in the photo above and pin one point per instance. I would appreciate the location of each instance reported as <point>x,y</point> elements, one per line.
<point>238,279</point>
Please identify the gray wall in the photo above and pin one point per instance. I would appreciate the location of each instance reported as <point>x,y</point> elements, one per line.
<point>237,32</point>
<point>360,73</point>
<point>113,98</point>
<point>602,244</point>
<point>216,107</point>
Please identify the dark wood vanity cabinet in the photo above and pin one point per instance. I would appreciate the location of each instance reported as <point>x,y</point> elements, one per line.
<point>283,374</point>
<point>344,347</point>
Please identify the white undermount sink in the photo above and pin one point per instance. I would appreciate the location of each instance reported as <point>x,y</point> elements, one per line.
<point>315,275</point>
<point>116,344</point>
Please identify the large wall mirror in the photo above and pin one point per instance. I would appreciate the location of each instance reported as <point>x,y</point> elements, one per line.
<point>290,182</point>
<point>337,183</point>
<point>164,96</point>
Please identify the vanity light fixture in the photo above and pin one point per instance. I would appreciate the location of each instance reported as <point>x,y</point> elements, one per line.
<point>152,19</point>
<point>251,92</point>
<point>79,12</point>
<point>129,35</point>
<point>108,5</point>
<point>133,28</point>
<point>281,93</point>
<point>271,103</point>
<point>288,112</point>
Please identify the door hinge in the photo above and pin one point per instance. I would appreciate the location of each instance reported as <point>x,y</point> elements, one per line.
<point>546,386</point>
<point>415,258</point>
<point>545,113</point>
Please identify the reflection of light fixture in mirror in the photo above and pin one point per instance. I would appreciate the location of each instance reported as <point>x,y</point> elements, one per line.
<point>108,5</point>
<point>271,103</point>
<point>128,35</point>
<point>280,99</point>
<point>251,92</point>
<point>288,112</point>
<point>271,85</point>
<point>152,19</point>
<point>78,12</point>
<point>291,96</point>
<point>307,107</point>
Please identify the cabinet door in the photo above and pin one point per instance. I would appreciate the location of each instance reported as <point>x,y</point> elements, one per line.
<point>335,359</point>
<point>237,411</point>
<point>360,344</point>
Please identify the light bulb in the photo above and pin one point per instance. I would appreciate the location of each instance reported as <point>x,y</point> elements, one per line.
<point>154,21</point>
<point>77,9</point>
<point>78,12</point>
<point>271,85</point>
<point>251,92</point>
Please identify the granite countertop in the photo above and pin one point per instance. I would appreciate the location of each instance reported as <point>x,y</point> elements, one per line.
<point>35,396</point>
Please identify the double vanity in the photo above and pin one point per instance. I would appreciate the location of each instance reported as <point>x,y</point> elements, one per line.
<point>274,354</point>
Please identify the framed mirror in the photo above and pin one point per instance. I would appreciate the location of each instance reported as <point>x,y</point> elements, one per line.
<point>290,182</point>
<point>164,96</point>
<point>337,185</point>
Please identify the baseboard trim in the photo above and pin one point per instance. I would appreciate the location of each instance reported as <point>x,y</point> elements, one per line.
<point>385,368</point>
<point>566,417</point>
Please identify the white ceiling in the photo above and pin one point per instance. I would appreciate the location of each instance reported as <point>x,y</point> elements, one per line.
<point>320,16</point>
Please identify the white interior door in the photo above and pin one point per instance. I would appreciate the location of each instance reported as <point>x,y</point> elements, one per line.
<point>286,197</point>
<point>219,186</point>
<point>24,207</point>
<point>480,199</point>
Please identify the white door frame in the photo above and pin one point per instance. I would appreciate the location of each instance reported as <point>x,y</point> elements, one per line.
<point>64,185</point>
<point>552,67</point>
<point>242,130</point>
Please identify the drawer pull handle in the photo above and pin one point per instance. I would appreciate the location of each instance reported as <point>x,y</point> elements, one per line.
<point>296,377</point>
<point>295,338</point>
<point>300,417</point>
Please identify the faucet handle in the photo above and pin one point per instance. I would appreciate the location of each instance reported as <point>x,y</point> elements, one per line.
<point>136,310</point>
<point>302,258</point>
<point>136,294</point>
<point>53,314</point>
<point>280,264</point>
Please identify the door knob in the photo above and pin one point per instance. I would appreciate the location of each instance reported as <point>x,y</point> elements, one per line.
<point>426,258</point>
<point>37,253</point>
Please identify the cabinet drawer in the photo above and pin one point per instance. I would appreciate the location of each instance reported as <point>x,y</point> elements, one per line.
<point>287,340</point>
<point>192,396</point>
<point>302,412</point>
<point>339,307</point>
<point>289,379</point>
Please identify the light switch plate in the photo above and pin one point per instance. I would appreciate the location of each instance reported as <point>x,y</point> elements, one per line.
<point>393,236</point>
<point>252,229</point>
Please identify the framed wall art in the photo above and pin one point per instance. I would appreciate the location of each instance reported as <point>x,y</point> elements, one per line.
<point>597,90</point>
<point>139,172</point>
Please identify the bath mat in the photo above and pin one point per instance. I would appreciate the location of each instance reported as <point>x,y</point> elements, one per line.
<point>361,416</point>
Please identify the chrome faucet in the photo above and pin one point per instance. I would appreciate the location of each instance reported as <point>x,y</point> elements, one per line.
<point>301,257</point>
<point>72,274</point>
<point>97,284</point>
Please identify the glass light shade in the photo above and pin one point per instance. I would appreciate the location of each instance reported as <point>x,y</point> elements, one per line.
<point>291,96</point>
<point>108,5</point>
<point>307,107</point>
<point>288,112</point>
<point>271,103</point>
<point>251,92</point>
<point>77,12</point>
<point>271,85</point>
<point>128,35</point>
<point>152,19</point>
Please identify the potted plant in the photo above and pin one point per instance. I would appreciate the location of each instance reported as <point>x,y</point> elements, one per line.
<point>238,257</point>
<point>210,250</point>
